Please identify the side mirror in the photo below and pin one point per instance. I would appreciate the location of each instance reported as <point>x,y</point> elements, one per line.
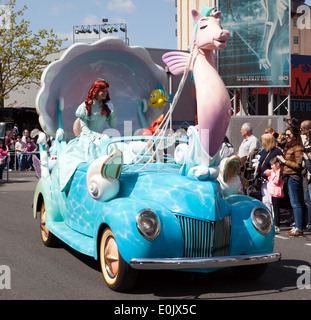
<point>103,174</point>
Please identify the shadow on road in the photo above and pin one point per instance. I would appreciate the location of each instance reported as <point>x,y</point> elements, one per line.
<point>280,277</point>
<point>223,284</point>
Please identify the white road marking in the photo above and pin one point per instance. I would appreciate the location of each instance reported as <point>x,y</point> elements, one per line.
<point>286,238</point>
<point>281,237</point>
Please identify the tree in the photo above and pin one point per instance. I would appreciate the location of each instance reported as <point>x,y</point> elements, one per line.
<point>23,54</point>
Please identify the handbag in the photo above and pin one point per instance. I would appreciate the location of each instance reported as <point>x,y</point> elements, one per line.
<point>254,192</point>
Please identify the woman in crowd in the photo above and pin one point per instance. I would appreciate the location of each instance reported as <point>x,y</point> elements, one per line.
<point>31,148</point>
<point>292,173</point>
<point>305,129</point>
<point>307,161</point>
<point>269,152</point>
<point>272,131</point>
<point>10,143</point>
<point>226,149</point>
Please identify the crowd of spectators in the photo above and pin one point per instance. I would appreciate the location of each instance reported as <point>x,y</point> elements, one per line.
<point>17,149</point>
<point>282,166</point>
<point>281,162</point>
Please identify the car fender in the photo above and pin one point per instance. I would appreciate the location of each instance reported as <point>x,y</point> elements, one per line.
<point>120,217</point>
<point>44,193</point>
<point>245,239</point>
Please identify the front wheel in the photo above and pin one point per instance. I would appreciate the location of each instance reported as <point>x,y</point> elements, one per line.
<point>118,275</point>
<point>47,237</point>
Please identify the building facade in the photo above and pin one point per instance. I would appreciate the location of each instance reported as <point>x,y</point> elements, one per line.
<point>300,28</point>
<point>184,19</point>
<point>263,101</point>
<point>300,24</point>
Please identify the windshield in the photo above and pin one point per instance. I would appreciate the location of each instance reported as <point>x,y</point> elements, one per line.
<point>150,149</point>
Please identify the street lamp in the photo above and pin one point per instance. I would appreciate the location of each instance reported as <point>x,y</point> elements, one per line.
<point>100,30</point>
<point>103,29</point>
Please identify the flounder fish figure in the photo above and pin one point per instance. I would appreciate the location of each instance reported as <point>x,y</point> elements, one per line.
<point>158,97</point>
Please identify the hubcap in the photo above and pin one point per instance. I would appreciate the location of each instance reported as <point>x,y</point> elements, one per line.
<point>44,230</point>
<point>111,257</point>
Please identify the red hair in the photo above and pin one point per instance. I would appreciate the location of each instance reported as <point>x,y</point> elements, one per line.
<point>96,87</point>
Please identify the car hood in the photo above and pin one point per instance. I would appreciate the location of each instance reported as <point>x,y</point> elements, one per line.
<point>177,193</point>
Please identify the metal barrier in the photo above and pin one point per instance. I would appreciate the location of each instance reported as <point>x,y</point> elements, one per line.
<point>14,154</point>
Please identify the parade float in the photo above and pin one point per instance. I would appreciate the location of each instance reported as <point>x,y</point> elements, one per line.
<point>153,199</point>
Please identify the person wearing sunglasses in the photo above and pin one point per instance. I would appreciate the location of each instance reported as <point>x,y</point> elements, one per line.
<point>305,130</point>
<point>292,173</point>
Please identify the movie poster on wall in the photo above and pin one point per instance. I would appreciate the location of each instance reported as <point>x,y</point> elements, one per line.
<point>258,52</point>
<point>300,100</point>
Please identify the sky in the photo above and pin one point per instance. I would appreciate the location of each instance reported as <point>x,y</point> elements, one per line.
<point>150,23</point>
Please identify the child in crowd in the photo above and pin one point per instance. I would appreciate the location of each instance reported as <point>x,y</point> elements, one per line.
<point>275,189</point>
<point>3,155</point>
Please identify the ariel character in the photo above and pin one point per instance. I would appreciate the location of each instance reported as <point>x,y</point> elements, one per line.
<point>92,115</point>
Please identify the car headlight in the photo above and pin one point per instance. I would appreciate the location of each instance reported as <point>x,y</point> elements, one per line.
<point>262,220</point>
<point>148,224</point>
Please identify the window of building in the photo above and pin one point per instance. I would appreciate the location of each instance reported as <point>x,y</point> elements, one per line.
<point>295,40</point>
<point>295,22</point>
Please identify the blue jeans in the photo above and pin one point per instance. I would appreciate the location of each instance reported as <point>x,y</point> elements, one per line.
<point>307,199</point>
<point>295,192</point>
<point>28,161</point>
<point>21,161</point>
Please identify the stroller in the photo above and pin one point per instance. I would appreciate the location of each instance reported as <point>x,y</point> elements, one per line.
<point>250,173</point>
<point>250,176</point>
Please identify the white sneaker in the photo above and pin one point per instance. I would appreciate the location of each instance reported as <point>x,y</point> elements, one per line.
<point>277,229</point>
<point>295,232</point>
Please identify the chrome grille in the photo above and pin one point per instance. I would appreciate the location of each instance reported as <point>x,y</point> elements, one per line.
<point>205,238</point>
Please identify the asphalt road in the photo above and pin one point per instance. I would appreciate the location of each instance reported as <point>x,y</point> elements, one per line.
<point>40,273</point>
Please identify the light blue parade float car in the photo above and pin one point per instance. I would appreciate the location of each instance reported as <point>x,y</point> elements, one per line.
<point>144,204</point>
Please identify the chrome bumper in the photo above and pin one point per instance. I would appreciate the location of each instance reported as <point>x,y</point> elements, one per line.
<point>203,263</point>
